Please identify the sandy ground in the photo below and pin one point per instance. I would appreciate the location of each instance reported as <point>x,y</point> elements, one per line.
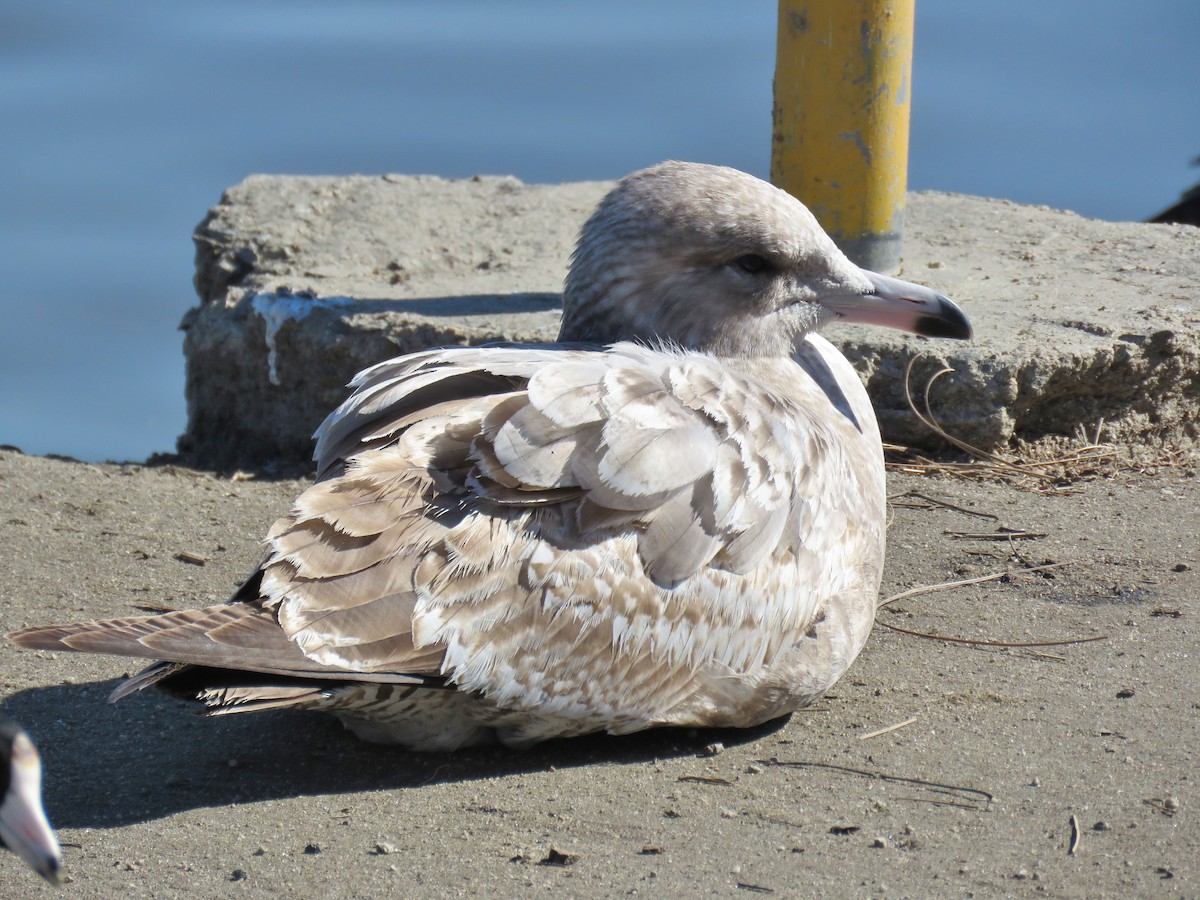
<point>1005,748</point>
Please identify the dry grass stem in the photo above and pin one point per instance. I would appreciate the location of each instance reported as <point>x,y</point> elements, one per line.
<point>979,642</point>
<point>946,585</point>
<point>1088,459</point>
<point>934,501</point>
<point>707,779</point>
<point>1002,535</point>
<point>154,607</point>
<point>895,779</point>
<point>986,643</point>
<point>1053,656</point>
<point>896,727</point>
<point>928,420</point>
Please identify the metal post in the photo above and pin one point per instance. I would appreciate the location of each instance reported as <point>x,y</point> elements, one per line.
<point>843,73</point>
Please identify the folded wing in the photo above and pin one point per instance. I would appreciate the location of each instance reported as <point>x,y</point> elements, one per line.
<point>553,528</point>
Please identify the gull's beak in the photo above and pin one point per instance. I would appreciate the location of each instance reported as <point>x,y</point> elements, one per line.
<point>901,304</point>
<point>23,825</point>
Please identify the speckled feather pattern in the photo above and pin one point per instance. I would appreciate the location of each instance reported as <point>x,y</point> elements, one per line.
<point>698,541</point>
<point>673,517</point>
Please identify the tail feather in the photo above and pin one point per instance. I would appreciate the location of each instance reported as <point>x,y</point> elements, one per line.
<point>144,679</point>
<point>230,700</point>
<point>224,692</point>
<point>239,637</point>
<point>234,636</point>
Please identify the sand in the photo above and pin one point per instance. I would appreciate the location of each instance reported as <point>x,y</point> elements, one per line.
<point>1066,771</point>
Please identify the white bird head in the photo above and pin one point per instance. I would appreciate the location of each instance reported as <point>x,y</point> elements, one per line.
<point>712,259</point>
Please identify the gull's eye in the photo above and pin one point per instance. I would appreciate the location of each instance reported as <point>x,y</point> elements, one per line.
<point>751,263</point>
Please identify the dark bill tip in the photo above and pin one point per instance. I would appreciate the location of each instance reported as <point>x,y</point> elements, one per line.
<point>947,322</point>
<point>52,871</point>
<point>895,303</point>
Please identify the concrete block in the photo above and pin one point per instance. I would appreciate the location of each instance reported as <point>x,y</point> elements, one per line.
<point>305,280</point>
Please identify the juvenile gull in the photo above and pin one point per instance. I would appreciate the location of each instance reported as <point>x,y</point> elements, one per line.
<point>673,516</point>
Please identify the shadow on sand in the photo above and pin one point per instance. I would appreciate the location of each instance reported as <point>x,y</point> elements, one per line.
<point>148,757</point>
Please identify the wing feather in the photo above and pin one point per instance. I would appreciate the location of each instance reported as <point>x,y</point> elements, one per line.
<point>632,530</point>
<point>235,636</point>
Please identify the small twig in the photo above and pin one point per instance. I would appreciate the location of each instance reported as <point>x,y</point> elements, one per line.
<point>155,607</point>
<point>1082,454</point>
<point>1047,656</point>
<point>917,495</point>
<point>930,588</point>
<point>1075,835</point>
<point>983,643</point>
<point>1015,471</point>
<point>707,779</point>
<point>435,774</point>
<point>1076,464</point>
<point>994,536</point>
<point>927,418</point>
<point>774,761</point>
<point>871,734</point>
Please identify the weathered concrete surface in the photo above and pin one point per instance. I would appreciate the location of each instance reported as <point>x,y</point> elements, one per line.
<point>304,281</point>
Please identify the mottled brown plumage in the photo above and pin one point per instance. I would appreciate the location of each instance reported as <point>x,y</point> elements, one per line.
<point>674,517</point>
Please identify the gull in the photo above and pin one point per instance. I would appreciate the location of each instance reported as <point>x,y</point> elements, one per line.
<point>24,828</point>
<point>673,516</point>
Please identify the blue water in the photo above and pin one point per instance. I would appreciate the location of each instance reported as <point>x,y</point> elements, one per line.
<point>122,123</point>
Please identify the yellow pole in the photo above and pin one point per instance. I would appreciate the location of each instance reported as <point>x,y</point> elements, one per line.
<point>843,73</point>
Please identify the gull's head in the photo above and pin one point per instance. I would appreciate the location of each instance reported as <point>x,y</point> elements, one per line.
<point>713,259</point>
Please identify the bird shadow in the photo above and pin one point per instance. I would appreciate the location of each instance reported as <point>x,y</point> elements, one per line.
<point>457,305</point>
<point>107,766</point>
<point>451,306</point>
